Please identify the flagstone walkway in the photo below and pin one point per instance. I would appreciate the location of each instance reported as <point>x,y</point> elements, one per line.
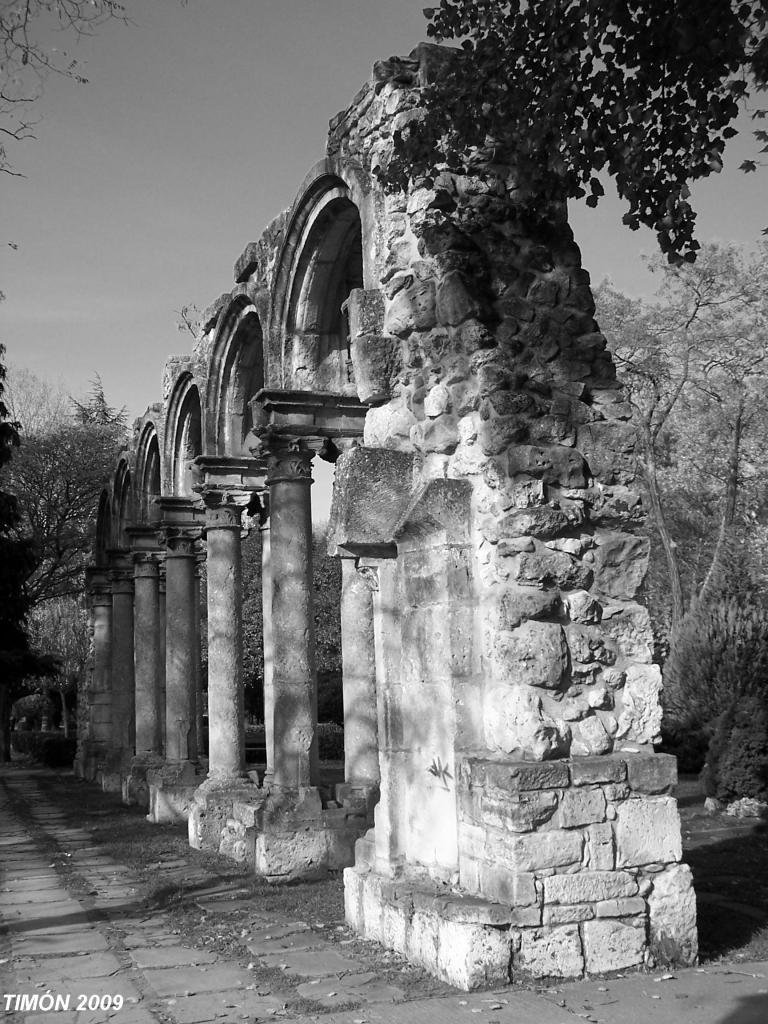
<point>79,946</point>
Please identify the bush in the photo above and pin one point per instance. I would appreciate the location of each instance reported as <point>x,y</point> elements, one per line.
<point>719,654</point>
<point>52,749</point>
<point>737,761</point>
<point>688,744</point>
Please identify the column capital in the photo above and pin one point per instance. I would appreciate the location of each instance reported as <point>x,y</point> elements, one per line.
<point>289,459</point>
<point>145,564</point>
<point>223,508</point>
<point>180,541</point>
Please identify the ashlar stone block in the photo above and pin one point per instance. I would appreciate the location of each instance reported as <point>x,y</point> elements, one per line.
<point>580,807</point>
<point>589,887</point>
<point>611,945</point>
<point>672,908</point>
<point>550,952</point>
<point>647,832</point>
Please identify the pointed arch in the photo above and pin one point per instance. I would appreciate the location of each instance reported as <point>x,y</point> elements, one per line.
<point>236,374</point>
<point>148,474</point>
<point>321,262</point>
<point>183,434</point>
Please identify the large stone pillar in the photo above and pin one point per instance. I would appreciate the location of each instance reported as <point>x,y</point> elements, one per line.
<point>266,619</point>
<point>294,712</point>
<point>94,749</point>
<point>146,653</point>
<point>122,673</point>
<point>199,735</point>
<point>180,647</point>
<point>161,647</point>
<point>361,743</point>
<point>226,750</point>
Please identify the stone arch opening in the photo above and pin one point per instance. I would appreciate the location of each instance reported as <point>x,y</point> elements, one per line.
<point>237,374</point>
<point>148,475</point>
<point>328,267</point>
<point>103,530</point>
<point>187,436</point>
<point>123,510</point>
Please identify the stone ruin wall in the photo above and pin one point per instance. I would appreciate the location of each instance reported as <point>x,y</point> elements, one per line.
<point>516,635</point>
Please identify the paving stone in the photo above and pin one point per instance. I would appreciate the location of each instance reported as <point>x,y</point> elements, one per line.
<point>89,965</point>
<point>81,941</point>
<point>227,1007</point>
<point>365,988</point>
<point>312,963</point>
<point>171,956</point>
<point>188,980</point>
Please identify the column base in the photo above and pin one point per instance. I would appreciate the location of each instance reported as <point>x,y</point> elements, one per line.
<point>134,783</point>
<point>171,791</point>
<point>567,868</point>
<point>211,809</point>
<point>289,834</point>
<point>112,772</point>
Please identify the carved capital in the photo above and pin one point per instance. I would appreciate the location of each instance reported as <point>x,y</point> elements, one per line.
<point>145,565</point>
<point>222,510</point>
<point>180,541</point>
<point>290,460</point>
<point>121,578</point>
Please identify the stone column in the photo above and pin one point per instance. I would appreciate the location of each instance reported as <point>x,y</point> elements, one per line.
<point>226,750</point>
<point>161,647</point>
<point>180,634</point>
<point>123,680</point>
<point>100,695</point>
<point>361,744</point>
<point>266,618</point>
<point>199,746</point>
<point>294,712</point>
<point>146,657</point>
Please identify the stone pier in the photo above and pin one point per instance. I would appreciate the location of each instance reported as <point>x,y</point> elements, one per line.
<point>122,738</point>
<point>227,781</point>
<point>149,669</point>
<point>172,786</point>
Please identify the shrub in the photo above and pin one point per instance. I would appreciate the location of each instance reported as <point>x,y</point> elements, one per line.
<point>688,744</point>
<point>719,654</point>
<point>737,760</point>
<point>52,749</point>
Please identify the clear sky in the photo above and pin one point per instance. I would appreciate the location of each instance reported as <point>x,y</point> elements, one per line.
<point>195,129</point>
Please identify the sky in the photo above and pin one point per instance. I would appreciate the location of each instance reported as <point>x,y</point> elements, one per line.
<point>197,126</point>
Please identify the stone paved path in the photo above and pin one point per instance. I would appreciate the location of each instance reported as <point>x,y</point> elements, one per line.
<point>73,928</point>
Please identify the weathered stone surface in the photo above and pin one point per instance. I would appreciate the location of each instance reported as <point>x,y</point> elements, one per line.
<point>651,773</point>
<point>629,907</point>
<point>389,426</point>
<point>413,308</point>
<point>522,603</point>
<point>672,908</point>
<point>551,849</point>
<point>589,887</point>
<point>516,776</point>
<point>553,464</point>
<point>550,953</point>
<point>613,945</point>
<point>365,308</point>
<point>620,564</point>
<point>537,654</point>
<point>521,812</point>
<point>372,489</point>
<point>545,568</point>
<point>590,736</point>
<point>473,956</point>
<point>640,720</point>
<point>582,607</point>
<point>455,304</point>
<point>580,807</point>
<point>589,770</point>
<point>516,723</point>
<point>376,359</point>
<point>647,832</point>
<point>601,850</point>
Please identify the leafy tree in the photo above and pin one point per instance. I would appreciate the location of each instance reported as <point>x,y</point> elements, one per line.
<point>57,478</point>
<point>60,625</point>
<point>558,91</point>
<point>27,57</point>
<point>695,365</point>
<point>16,562</point>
